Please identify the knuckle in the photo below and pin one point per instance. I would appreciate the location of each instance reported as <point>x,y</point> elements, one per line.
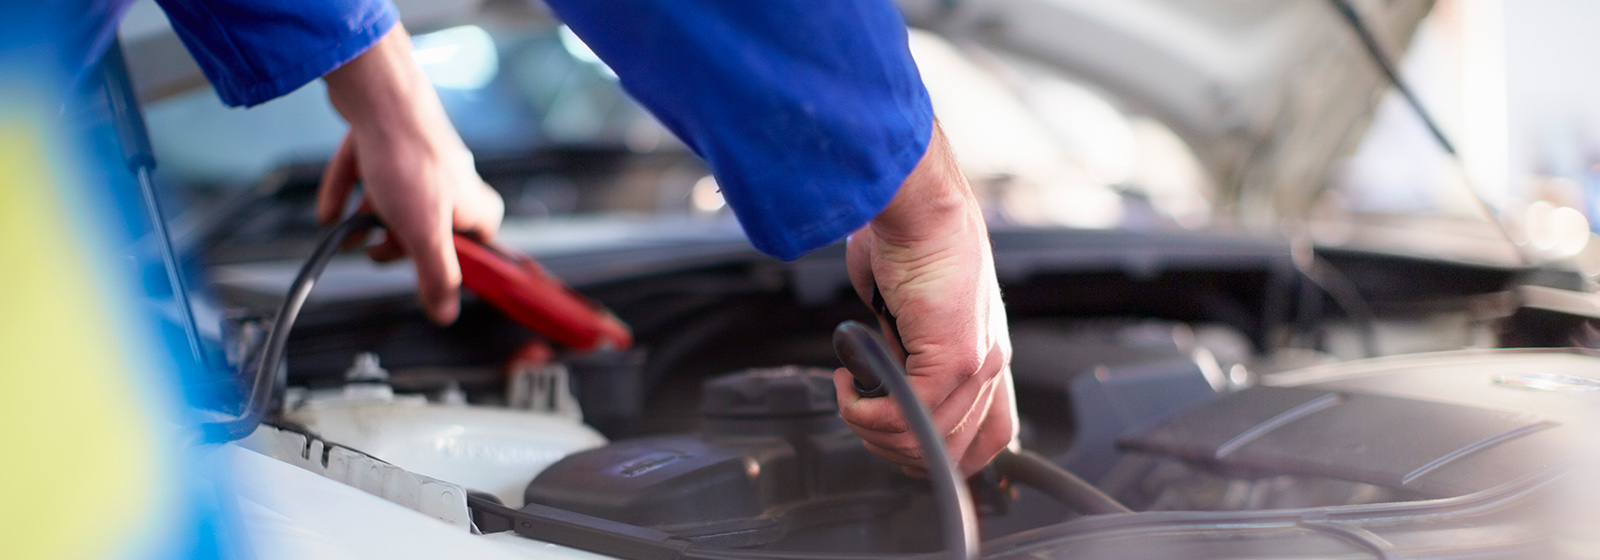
<point>897,423</point>
<point>967,366</point>
<point>895,445</point>
<point>894,456</point>
<point>874,421</point>
<point>887,422</point>
<point>990,371</point>
<point>961,426</point>
<point>904,446</point>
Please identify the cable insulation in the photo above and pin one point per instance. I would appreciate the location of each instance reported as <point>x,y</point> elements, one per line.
<point>266,378</point>
<point>1035,471</point>
<point>861,348</point>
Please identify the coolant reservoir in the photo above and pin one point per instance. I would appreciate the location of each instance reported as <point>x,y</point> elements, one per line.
<point>494,450</point>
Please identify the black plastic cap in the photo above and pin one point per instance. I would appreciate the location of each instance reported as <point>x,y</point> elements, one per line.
<point>770,393</point>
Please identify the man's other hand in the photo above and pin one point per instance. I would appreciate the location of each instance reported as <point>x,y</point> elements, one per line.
<point>416,173</point>
<point>929,254</point>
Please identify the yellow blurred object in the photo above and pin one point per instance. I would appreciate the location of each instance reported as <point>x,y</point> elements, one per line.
<point>80,473</point>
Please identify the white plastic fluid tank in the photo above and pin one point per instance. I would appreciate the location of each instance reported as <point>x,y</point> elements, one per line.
<point>494,450</point>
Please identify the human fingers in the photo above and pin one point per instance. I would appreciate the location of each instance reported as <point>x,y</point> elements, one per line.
<point>960,439</point>
<point>433,252</point>
<point>362,238</point>
<point>416,207</point>
<point>478,208</point>
<point>338,181</point>
<point>387,250</point>
<point>999,429</point>
<point>881,420</point>
<point>858,263</point>
<point>894,456</point>
<point>940,342</point>
<point>915,472</point>
<point>956,441</point>
<point>944,317</point>
<point>881,423</point>
<point>439,281</point>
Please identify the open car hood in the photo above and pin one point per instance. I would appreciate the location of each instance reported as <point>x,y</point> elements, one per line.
<point>1268,93</point>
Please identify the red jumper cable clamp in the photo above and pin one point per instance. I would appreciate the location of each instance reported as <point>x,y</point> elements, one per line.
<point>520,288</point>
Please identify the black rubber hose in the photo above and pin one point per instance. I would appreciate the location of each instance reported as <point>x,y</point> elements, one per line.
<point>862,350</point>
<point>263,387</point>
<point>1032,470</point>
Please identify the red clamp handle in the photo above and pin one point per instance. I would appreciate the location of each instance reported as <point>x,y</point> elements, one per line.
<point>521,289</point>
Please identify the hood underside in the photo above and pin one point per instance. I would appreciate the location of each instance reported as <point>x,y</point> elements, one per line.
<point>1268,93</point>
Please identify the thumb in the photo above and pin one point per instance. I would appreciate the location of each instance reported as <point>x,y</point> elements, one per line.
<point>337,181</point>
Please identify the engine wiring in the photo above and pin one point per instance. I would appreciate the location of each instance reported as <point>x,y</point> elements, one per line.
<point>268,374</point>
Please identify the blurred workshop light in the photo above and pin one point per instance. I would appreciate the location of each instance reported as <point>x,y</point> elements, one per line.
<point>706,196</point>
<point>458,57</point>
<point>1088,125</point>
<point>1012,156</point>
<point>1588,260</point>
<point>1168,173</point>
<point>1484,118</point>
<point>1536,220</point>
<point>1572,231</point>
<point>1559,231</point>
<point>1080,205</point>
<point>581,51</point>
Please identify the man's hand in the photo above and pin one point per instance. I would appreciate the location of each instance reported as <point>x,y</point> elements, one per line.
<point>929,254</point>
<point>417,174</point>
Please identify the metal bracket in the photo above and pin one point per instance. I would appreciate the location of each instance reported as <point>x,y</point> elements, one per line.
<point>435,498</point>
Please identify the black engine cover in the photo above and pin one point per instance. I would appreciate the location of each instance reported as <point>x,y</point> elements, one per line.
<point>773,467</point>
<point>1428,426</point>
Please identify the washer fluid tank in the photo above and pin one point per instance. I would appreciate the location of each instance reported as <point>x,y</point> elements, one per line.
<point>493,450</point>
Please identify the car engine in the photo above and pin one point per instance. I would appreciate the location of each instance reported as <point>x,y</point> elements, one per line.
<point>719,434</point>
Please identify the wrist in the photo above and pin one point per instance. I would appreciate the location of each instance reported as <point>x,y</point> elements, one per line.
<point>934,199</point>
<point>384,95</point>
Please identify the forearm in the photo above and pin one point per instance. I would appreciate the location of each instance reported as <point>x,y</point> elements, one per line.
<point>934,198</point>
<point>386,97</point>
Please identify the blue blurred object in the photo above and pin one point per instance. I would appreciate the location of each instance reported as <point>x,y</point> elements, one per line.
<point>94,356</point>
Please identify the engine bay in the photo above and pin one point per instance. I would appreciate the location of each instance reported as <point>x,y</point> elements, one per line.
<point>1185,386</point>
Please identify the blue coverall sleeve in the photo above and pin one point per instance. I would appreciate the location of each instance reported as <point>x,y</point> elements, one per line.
<point>255,50</point>
<point>810,113</point>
